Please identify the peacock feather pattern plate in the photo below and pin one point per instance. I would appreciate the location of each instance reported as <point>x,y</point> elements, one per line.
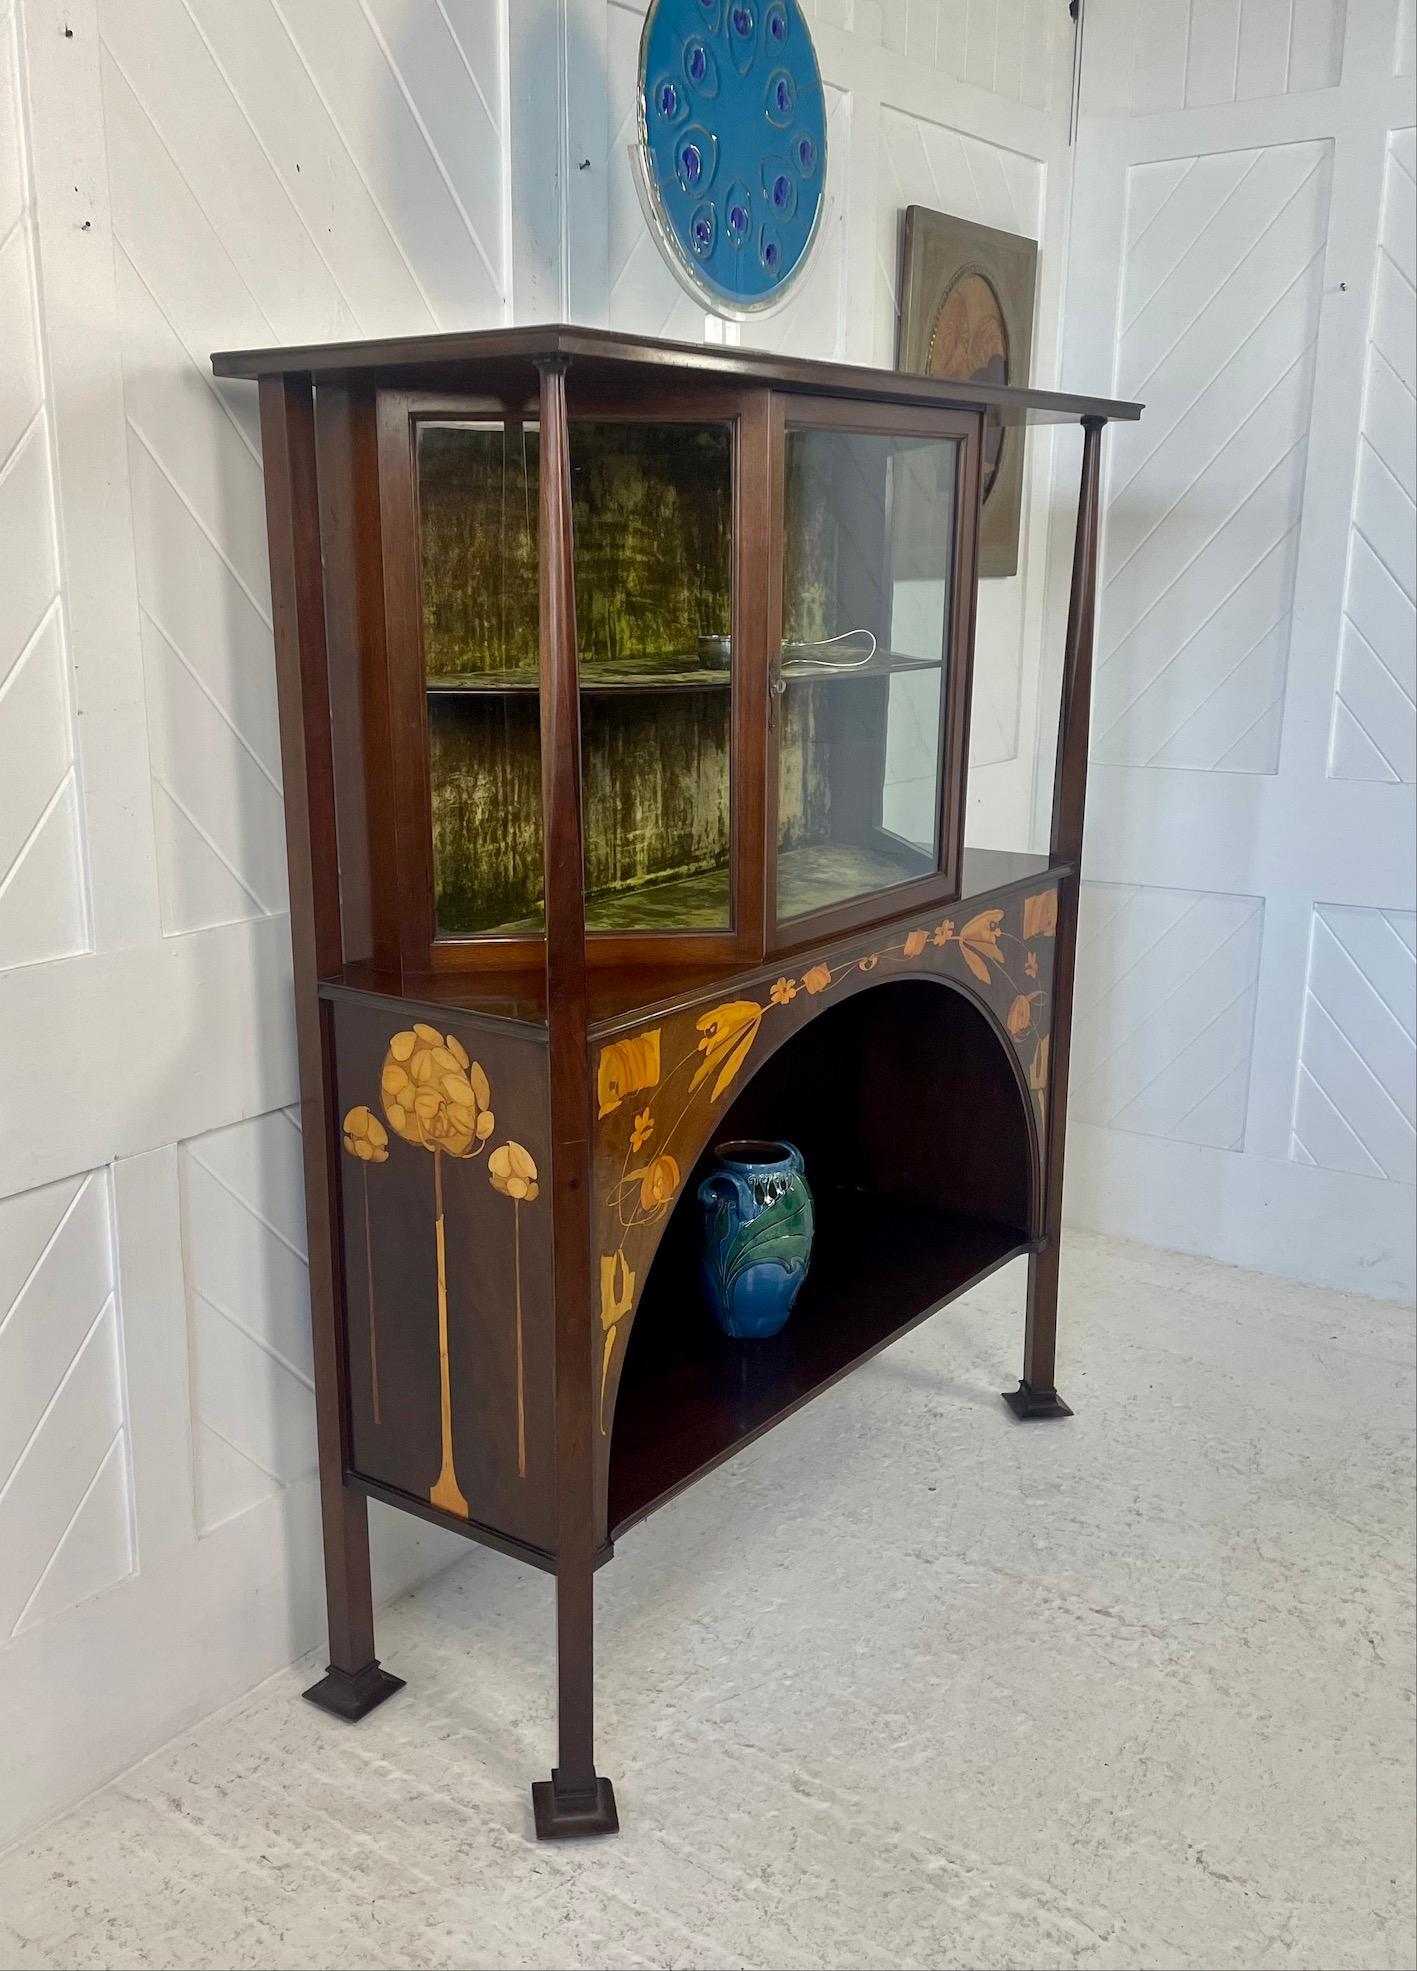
<point>733,145</point>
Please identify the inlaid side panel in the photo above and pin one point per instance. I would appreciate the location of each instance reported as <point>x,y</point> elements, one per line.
<point>447,1262</point>
<point>663,1088</point>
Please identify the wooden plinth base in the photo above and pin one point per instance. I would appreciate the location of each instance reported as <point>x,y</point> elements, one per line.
<point>1033,1405</point>
<point>566,1817</point>
<point>353,1694</point>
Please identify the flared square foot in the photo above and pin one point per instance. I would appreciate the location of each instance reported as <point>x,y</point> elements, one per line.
<point>352,1695</point>
<point>566,1817</point>
<point>1033,1405</point>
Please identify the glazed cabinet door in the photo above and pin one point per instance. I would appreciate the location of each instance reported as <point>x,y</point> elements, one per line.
<point>662,624</point>
<point>872,635</point>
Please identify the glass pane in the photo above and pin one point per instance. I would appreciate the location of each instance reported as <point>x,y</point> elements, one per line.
<point>477,514</point>
<point>867,595</point>
<point>652,506</point>
<point>652,516</point>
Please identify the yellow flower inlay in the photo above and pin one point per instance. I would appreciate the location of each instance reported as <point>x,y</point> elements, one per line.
<point>365,1136</point>
<point>726,1034</point>
<point>643,1129</point>
<point>433,1095</point>
<point>817,978</point>
<point>980,940</point>
<point>617,1297</point>
<point>512,1171</point>
<point>625,1067</point>
<point>658,1184</point>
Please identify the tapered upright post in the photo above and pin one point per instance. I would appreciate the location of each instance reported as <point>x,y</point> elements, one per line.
<point>1037,1394</point>
<point>354,1683</point>
<point>575,1800</point>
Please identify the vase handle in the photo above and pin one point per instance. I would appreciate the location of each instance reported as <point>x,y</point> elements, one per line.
<point>794,1157</point>
<point>723,1187</point>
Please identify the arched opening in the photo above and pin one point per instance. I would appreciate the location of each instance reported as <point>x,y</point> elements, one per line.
<point>907,1104</point>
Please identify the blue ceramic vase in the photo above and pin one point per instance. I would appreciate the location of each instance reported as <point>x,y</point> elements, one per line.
<point>758,1227</point>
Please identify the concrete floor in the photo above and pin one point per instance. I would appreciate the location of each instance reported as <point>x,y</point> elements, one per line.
<point>906,1684</point>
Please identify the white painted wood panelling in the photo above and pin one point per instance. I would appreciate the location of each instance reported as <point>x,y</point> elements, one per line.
<point>1355,1099</point>
<point>1375,702</point>
<point>176,176</point>
<point>1221,291</point>
<point>43,908</point>
<point>1405,54</point>
<point>1192,53</point>
<point>64,1478</point>
<point>1167,983</point>
<point>1242,234</point>
<point>1016,49</point>
<point>249,1314</point>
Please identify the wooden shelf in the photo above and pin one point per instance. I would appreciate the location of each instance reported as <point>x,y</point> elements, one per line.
<point>690,1397</point>
<point>617,991</point>
<point>670,673</point>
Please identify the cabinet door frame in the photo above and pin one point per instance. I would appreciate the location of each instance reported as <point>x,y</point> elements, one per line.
<point>941,885</point>
<point>399,414</point>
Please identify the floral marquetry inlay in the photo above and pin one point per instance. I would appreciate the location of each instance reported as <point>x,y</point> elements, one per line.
<point>659,1087</point>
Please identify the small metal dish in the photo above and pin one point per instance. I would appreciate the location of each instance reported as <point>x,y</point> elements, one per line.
<point>716,652</point>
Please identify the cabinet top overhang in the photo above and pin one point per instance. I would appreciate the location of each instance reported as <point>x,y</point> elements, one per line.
<point>484,357</point>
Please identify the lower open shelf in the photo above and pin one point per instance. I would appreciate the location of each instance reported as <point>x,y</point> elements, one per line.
<point>690,1397</point>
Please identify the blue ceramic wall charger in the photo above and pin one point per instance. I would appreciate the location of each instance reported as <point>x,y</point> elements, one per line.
<point>732,156</point>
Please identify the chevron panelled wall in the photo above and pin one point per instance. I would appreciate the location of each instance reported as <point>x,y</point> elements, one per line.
<point>177,176</point>
<point>1167,984</point>
<point>249,1314</point>
<point>1192,53</point>
<point>1223,279</point>
<point>1355,1100</point>
<point>270,181</point>
<point>43,908</point>
<point>65,1501</point>
<point>1375,701</point>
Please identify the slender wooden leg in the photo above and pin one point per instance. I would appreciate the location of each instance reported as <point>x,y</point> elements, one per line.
<point>575,1800</point>
<point>353,1682</point>
<point>1036,1395</point>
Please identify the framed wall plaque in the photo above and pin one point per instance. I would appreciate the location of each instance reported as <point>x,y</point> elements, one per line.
<point>966,312</point>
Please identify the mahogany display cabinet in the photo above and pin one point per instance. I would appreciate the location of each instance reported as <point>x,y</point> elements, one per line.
<point>624,701</point>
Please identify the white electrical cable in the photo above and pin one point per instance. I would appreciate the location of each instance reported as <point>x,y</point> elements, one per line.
<point>801,653</point>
